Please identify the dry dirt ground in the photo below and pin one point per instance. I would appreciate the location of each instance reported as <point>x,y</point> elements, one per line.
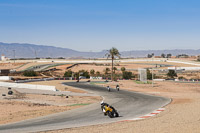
<point>129,66</point>
<point>21,106</point>
<point>58,84</point>
<point>181,116</point>
<point>10,65</point>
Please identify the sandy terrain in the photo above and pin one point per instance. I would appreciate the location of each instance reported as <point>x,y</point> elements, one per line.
<point>181,116</point>
<point>101,69</point>
<point>10,65</point>
<point>58,84</point>
<point>25,106</point>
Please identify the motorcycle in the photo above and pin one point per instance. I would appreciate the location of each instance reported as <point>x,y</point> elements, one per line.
<point>108,87</point>
<point>117,87</point>
<point>109,110</point>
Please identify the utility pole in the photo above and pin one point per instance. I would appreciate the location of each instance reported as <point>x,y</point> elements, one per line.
<point>35,54</point>
<point>152,71</point>
<point>152,77</point>
<point>14,56</point>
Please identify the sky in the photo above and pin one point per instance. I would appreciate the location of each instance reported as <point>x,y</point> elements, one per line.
<point>96,25</point>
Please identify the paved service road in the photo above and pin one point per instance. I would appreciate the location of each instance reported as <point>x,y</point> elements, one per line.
<point>129,105</point>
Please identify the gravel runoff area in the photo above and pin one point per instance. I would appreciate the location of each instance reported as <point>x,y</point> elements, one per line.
<point>26,104</point>
<point>181,116</point>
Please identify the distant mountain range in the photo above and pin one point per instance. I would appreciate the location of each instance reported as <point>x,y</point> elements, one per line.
<point>41,51</point>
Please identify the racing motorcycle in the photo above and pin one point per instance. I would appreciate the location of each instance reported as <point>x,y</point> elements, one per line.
<point>109,110</point>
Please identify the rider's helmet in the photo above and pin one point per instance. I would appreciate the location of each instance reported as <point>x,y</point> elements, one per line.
<point>102,102</point>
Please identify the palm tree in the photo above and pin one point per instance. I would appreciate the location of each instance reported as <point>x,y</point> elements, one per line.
<point>98,73</point>
<point>123,69</point>
<point>114,69</point>
<point>92,72</point>
<point>107,70</point>
<point>111,54</point>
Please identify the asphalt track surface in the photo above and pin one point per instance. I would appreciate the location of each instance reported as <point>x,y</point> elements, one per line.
<point>128,104</point>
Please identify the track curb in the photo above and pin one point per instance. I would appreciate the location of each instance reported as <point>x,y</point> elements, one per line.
<point>159,110</point>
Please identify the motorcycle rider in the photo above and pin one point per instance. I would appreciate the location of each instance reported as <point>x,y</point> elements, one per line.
<point>105,104</point>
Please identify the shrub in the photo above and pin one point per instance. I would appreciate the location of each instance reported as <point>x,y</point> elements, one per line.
<point>181,77</point>
<point>84,73</point>
<point>127,75</point>
<point>171,74</point>
<point>98,73</point>
<point>30,73</point>
<point>92,71</point>
<point>107,70</point>
<point>123,69</point>
<point>68,73</point>
<point>149,75</point>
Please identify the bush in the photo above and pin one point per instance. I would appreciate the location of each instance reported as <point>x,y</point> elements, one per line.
<point>68,73</point>
<point>127,75</point>
<point>123,69</point>
<point>171,74</point>
<point>149,75</point>
<point>84,73</point>
<point>181,77</point>
<point>92,72</point>
<point>30,73</point>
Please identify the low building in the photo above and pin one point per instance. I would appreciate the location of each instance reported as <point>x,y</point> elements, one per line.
<point>4,72</point>
<point>198,57</point>
<point>4,58</point>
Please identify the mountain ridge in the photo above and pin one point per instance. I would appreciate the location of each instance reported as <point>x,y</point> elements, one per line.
<point>25,50</point>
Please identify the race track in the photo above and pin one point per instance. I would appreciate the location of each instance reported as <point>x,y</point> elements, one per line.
<point>129,105</point>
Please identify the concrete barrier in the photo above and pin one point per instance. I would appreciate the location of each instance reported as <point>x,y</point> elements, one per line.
<point>28,86</point>
<point>5,78</point>
<point>33,80</point>
<point>184,68</point>
<point>158,79</point>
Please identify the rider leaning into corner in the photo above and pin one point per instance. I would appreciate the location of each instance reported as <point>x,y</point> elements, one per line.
<point>105,104</point>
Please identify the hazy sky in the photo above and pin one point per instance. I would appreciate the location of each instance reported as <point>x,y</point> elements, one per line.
<point>95,25</point>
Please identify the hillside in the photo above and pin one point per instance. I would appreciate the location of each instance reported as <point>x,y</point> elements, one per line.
<point>42,51</point>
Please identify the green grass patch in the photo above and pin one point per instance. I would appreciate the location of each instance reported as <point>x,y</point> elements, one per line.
<point>140,82</point>
<point>81,104</point>
<point>94,83</point>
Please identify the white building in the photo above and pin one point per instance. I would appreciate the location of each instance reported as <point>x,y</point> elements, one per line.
<point>4,58</point>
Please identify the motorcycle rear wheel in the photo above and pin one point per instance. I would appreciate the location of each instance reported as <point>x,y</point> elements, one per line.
<point>110,114</point>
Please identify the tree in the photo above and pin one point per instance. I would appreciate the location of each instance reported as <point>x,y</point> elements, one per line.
<point>68,73</point>
<point>149,75</point>
<point>92,72</point>
<point>150,55</point>
<point>76,75</point>
<point>163,55</point>
<point>127,75</point>
<point>84,73</point>
<point>169,55</point>
<point>171,74</point>
<point>114,69</point>
<point>98,73</point>
<point>198,58</point>
<point>123,69</point>
<point>107,70</point>
<point>112,53</point>
<point>30,73</point>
